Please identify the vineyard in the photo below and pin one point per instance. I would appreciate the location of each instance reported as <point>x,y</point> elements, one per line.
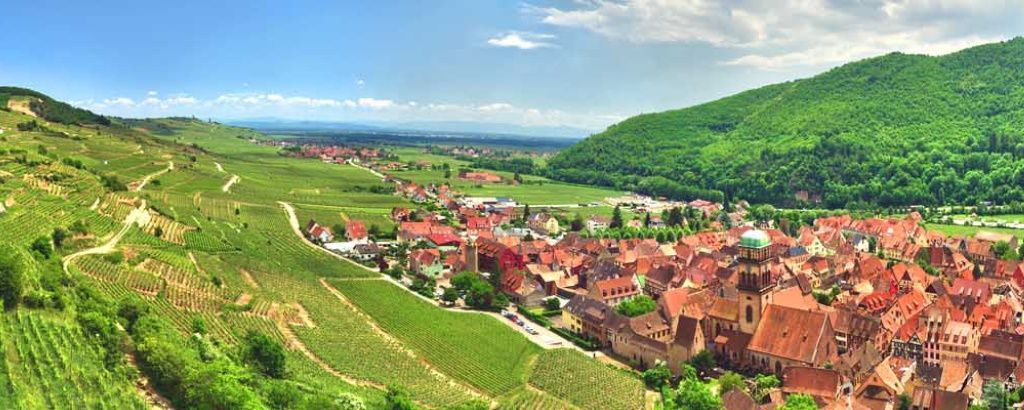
<point>586,383</point>
<point>46,365</point>
<point>531,399</point>
<point>476,349</point>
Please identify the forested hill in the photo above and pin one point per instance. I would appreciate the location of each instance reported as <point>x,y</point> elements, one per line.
<point>893,130</point>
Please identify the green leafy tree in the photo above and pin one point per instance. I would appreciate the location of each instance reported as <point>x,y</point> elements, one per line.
<point>995,396</point>
<point>12,272</point>
<point>636,306</point>
<point>763,384</point>
<point>42,246</point>
<point>265,353</point>
<point>692,394</point>
<point>577,223</point>
<point>616,218</point>
<point>799,402</point>
<point>657,377</point>
<point>397,398</point>
<point>729,381</point>
<point>449,296</point>
<point>58,236</point>
<point>703,361</point>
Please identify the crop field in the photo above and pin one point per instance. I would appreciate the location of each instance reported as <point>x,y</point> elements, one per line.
<point>534,190</point>
<point>586,383</point>
<point>967,231</point>
<point>531,399</point>
<point>471,347</point>
<point>46,365</point>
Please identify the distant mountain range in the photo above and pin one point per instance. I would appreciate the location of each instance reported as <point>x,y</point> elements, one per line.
<point>461,127</point>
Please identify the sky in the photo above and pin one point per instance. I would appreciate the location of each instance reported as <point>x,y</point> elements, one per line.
<point>578,63</point>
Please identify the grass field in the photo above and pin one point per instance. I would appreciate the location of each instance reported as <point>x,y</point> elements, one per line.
<point>960,230</point>
<point>534,190</point>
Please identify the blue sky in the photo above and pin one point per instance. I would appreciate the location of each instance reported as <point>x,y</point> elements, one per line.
<point>582,63</point>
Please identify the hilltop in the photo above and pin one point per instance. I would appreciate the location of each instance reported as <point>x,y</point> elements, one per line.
<point>892,130</point>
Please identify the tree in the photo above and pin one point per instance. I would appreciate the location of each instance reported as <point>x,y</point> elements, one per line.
<point>762,384</point>
<point>552,304</point>
<point>58,236</point>
<point>995,396</point>
<point>647,220</point>
<point>397,398</point>
<point>265,354</point>
<point>657,376</point>
<point>1002,250</point>
<point>799,402</point>
<point>675,217</point>
<point>729,381</point>
<point>616,218</point>
<point>12,272</point>
<point>449,296</point>
<point>42,246</point>
<point>692,394</point>
<point>577,224</point>
<point>703,362</point>
<point>526,212</point>
<point>636,306</point>
<point>904,402</point>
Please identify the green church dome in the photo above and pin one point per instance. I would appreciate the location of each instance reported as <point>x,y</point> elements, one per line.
<point>755,238</point>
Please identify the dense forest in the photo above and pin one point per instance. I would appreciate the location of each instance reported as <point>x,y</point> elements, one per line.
<point>50,109</point>
<point>892,130</point>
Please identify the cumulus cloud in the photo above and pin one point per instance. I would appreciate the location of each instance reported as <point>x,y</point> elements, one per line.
<point>151,93</point>
<point>522,40</point>
<point>247,105</point>
<point>787,33</point>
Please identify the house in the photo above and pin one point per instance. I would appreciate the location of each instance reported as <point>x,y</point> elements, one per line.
<point>615,291</point>
<point>355,230</point>
<point>544,224</point>
<point>597,222</point>
<point>927,398</point>
<point>426,262</point>
<point>823,385</point>
<point>788,337</point>
<point>585,317</point>
<point>996,237</point>
<point>318,233</point>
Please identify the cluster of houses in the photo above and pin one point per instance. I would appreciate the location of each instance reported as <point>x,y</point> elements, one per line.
<point>907,311</point>
<point>855,313</point>
<point>338,154</point>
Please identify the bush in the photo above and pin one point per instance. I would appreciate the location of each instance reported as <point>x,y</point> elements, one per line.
<point>12,272</point>
<point>265,354</point>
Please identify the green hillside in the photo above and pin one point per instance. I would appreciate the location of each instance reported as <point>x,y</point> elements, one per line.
<point>49,109</point>
<point>893,130</point>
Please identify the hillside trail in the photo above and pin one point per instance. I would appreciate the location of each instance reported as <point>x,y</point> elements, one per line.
<point>293,220</point>
<point>137,216</point>
<point>234,180</point>
<point>367,169</point>
<point>142,184</point>
<point>219,167</point>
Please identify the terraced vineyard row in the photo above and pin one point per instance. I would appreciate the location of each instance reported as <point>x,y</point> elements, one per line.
<point>349,344</point>
<point>529,399</point>
<point>476,349</point>
<point>585,382</point>
<point>46,365</point>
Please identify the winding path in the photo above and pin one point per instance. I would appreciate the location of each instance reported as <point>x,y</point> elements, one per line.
<point>234,180</point>
<point>142,184</point>
<point>136,216</point>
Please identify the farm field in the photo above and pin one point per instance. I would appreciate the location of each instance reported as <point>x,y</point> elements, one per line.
<point>471,347</point>
<point>961,230</point>
<point>45,365</point>
<point>534,190</point>
<point>570,375</point>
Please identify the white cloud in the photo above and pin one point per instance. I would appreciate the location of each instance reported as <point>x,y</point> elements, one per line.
<point>151,93</point>
<point>522,40</point>
<point>787,33</point>
<point>120,101</point>
<point>360,82</point>
<point>494,107</point>
<point>375,103</point>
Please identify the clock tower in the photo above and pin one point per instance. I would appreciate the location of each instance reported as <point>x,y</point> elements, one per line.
<point>755,286</point>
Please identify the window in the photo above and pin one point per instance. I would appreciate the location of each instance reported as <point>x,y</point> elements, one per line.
<point>750,314</point>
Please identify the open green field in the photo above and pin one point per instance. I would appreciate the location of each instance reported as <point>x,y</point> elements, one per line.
<point>967,231</point>
<point>534,190</point>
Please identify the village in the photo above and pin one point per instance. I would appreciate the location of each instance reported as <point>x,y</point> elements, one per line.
<point>855,313</point>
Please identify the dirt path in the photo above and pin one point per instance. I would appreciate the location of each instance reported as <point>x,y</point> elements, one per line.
<point>293,220</point>
<point>136,216</point>
<point>367,169</point>
<point>234,180</point>
<point>219,167</point>
<point>22,107</point>
<point>142,184</point>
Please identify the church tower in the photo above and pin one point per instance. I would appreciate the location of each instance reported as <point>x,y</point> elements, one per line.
<point>755,286</point>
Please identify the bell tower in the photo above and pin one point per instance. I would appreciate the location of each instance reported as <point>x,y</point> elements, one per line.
<point>755,285</point>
